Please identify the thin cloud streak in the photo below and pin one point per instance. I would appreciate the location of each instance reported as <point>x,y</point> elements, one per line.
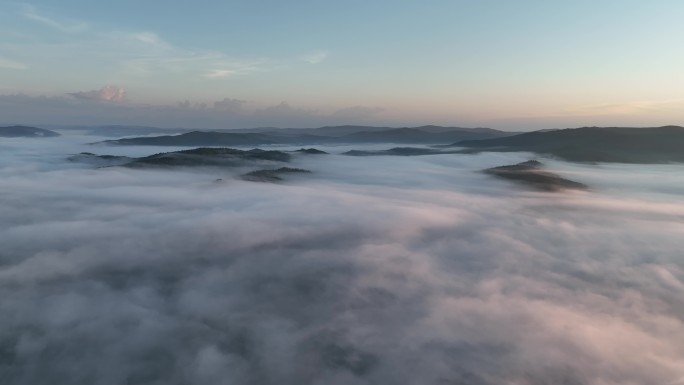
<point>316,57</point>
<point>218,74</point>
<point>149,55</point>
<point>125,55</point>
<point>85,108</point>
<point>628,108</point>
<point>30,12</point>
<point>12,65</point>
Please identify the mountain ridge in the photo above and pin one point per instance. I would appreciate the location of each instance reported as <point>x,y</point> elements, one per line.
<point>19,131</point>
<point>376,135</point>
<point>661,144</point>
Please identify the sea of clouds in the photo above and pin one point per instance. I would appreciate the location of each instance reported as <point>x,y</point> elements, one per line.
<point>370,270</point>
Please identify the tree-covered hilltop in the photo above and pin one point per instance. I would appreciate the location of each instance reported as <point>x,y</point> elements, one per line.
<point>203,156</point>
<point>26,132</point>
<point>274,175</point>
<point>594,144</point>
<point>532,174</point>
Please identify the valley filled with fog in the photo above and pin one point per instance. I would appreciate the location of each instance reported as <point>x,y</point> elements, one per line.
<point>368,270</point>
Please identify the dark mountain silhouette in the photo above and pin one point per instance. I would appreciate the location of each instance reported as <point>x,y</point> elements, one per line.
<point>594,144</point>
<point>311,151</point>
<point>203,156</point>
<point>400,151</point>
<point>100,160</point>
<point>477,130</point>
<point>200,138</point>
<point>323,135</point>
<point>413,135</point>
<point>25,132</point>
<point>209,157</point>
<point>274,175</point>
<point>351,129</point>
<point>119,131</point>
<point>531,174</point>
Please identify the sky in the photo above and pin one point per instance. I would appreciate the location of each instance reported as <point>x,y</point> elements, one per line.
<point>514,65</point>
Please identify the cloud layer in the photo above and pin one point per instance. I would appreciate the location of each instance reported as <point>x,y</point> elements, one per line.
<point>107,94</point>
<point>377,270</point>
<point>85,108</point>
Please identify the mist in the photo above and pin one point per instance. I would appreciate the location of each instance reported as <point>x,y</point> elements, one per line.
<point>370,270</point>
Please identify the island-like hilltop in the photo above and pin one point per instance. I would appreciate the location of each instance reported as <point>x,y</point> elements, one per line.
<point>25,132</point>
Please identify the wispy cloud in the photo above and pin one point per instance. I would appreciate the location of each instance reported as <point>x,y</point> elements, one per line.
<point>94,107</point>
<point>315,57</point>
<point>30,12</point>
<point>217,74</point>
<point>125,53</point>
<point>12,65</point>
<point>107,94</point>
<point>148,38</point>
<point>146,54</point>
<point>357,113</point>
<point>626,108</point>
<point>121,55</point>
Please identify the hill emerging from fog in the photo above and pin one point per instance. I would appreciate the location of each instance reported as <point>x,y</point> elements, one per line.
<point>198,157</point>
<point>322,135</point>
<point>208,157</point>
<point>532,174</point>
<point>594,144</point>
<point>25,132</point>
<point>272,175</point>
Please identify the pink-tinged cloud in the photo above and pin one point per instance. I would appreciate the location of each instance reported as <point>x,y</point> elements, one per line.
<point>108,94</point>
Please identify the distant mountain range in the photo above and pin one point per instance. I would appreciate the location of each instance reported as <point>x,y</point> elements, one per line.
<point>594,144</point>
<point>322,135</point>
<point>114,131</point>
<point>118,131</point>
<point>586,144</point>
<point>402,151</point>
<point>25,132</point>
<point>351,129</point>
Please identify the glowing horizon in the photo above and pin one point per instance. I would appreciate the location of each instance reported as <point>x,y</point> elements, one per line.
<point>522,65</point>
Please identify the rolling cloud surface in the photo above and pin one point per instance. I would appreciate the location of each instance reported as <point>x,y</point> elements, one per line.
<point>371,270</point>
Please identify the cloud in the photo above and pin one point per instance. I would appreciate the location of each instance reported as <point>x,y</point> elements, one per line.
<point>216,74</point>
<point>107,94</point>
<point>370,271</point>
<point>85,108</point>
<point>128,55</point>
<point>284,109</point>
<point>357,112</point>
<point>146,54</point>
<point>628,108</point>
<point>30,12</point>
<point>315,57</point>
<point>228,104</point>
<point>148,38</point>
<point>12,65</point>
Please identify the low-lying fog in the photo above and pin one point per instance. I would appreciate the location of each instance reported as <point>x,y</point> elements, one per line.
<point>370,270</point>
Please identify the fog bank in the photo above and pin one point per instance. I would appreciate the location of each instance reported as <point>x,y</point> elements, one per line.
<point>372,270</point>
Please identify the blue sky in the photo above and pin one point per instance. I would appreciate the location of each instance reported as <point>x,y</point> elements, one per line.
<point>505,64</point>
